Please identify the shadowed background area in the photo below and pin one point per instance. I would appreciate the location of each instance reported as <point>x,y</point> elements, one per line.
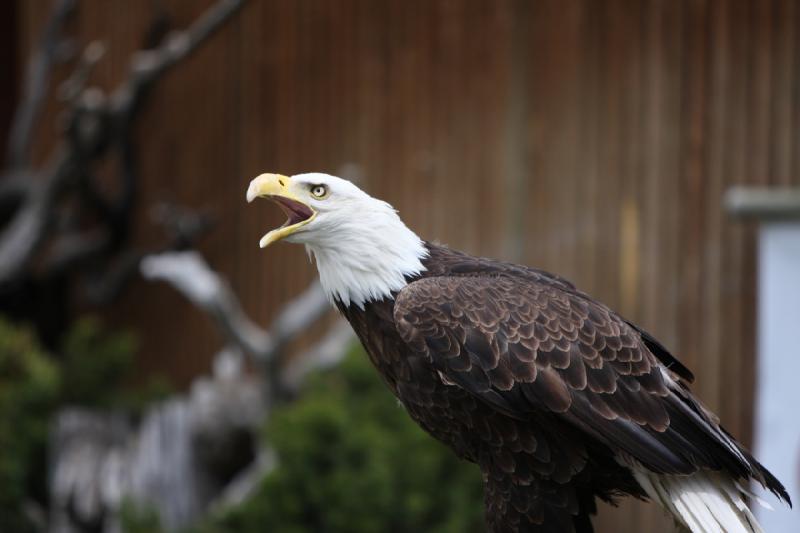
<point>592,139</point>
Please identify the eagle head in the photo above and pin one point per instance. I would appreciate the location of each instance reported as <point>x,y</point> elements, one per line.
<point>362,249</point>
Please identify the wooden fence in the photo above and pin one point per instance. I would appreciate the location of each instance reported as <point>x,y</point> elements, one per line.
<point>591,138</point>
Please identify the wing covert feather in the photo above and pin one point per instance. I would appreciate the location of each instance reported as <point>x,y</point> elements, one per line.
<point>529,347</point>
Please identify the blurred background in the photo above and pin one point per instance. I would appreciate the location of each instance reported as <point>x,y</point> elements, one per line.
<point>159,372</point>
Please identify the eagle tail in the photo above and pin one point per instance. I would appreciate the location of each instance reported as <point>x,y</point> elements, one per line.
<point>703,502</point>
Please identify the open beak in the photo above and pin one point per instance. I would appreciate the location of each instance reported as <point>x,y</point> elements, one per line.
<point>275,187</point>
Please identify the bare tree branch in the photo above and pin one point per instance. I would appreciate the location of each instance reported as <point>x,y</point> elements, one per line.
<point>169,460</point>
<point>246,482</point>
<point>190,274</point>
<point>27,229</point>
<point>139,465</point>
<point>149,65</point>
<point>70,89</point>
<point>326,353</point>
<point>96,123</point>
<point>37,80</point>
<point>297,316</point>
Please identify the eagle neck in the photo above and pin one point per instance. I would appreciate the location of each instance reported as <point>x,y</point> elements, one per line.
<point>370,266</point>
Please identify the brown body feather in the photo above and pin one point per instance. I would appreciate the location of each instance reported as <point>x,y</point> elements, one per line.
<point>548,391</point>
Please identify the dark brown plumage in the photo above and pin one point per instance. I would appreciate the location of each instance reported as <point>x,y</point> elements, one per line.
<point>550,392</point>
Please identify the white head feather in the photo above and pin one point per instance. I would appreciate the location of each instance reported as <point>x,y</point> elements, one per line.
<point>362,249</point>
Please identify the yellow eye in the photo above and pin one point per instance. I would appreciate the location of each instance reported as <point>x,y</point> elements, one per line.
<point>319,191</point>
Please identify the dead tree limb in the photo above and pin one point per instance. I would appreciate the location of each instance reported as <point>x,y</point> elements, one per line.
<point>37,81</point>
<point>189,273</point>
<point>96,125</point>
<point>326,353</point>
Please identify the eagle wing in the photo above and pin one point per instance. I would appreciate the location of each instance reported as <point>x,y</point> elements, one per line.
<point>526,347</point>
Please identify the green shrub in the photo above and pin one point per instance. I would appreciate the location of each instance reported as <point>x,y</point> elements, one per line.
<point>95,367</point>
<point>92,371</point>
<point>351,460</point>
<point>135,518</point>
<point>28,392</point>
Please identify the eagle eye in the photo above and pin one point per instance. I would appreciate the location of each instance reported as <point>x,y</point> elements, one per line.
<point>319,191</point>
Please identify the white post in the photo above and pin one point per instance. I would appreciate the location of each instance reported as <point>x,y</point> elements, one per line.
<point>777,420</point>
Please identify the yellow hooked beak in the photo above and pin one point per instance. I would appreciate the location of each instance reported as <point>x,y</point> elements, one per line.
<point>278,188</point>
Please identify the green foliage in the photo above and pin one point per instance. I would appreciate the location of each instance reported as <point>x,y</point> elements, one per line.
<point>92,372</point>
<point>351,460</point>
<point>96,364</point>
<point>28,392</point>
<point>136,519</point>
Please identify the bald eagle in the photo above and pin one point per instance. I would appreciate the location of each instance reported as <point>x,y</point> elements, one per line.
<point>558,399</point>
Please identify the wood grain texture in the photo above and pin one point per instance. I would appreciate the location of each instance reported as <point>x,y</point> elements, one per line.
<point>535,131</point>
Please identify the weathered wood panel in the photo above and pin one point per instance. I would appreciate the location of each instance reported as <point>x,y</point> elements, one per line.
<point>589,138</point>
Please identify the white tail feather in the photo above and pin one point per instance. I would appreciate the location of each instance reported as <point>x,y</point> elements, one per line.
<point>704,502</point>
